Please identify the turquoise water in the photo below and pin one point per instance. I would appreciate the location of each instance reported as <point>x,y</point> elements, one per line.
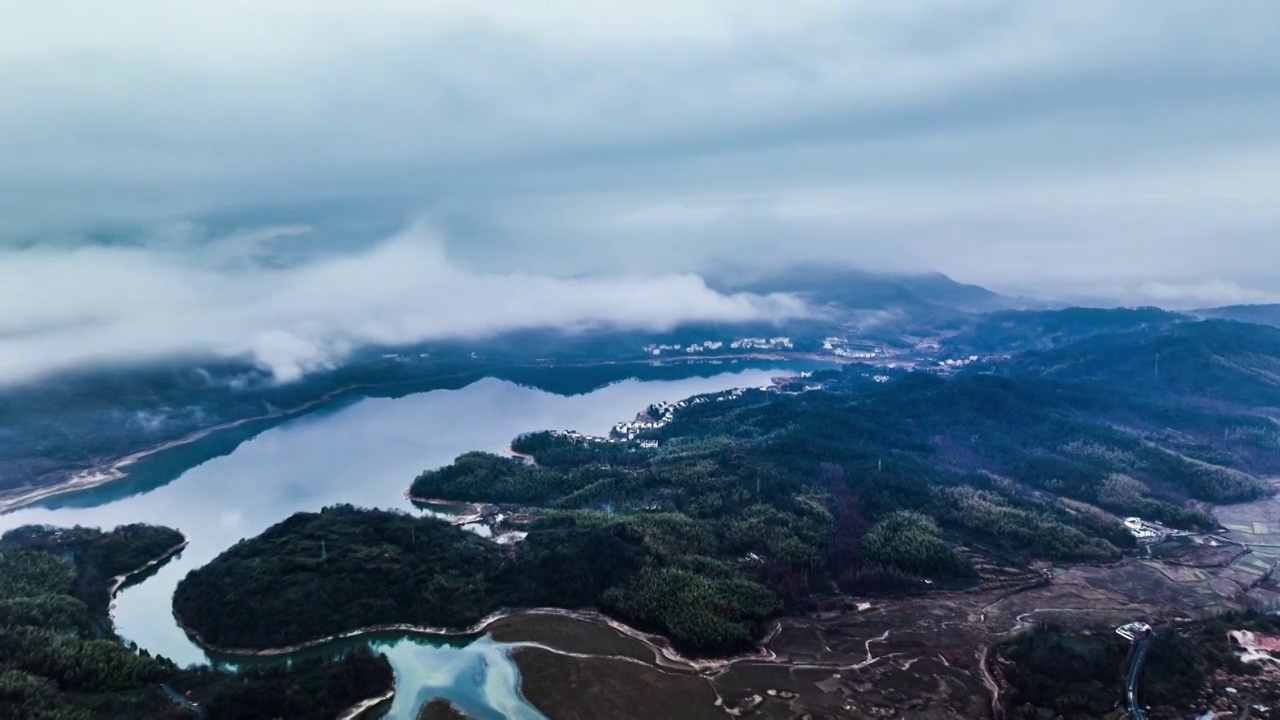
<point>365,453</point>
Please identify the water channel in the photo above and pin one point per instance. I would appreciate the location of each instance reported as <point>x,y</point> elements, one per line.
<point>230,487</point>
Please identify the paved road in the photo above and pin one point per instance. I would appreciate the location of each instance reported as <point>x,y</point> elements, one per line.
<point>183,700</point>
<point>1135,676</point>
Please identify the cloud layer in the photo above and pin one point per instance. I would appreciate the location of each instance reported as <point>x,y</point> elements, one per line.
<point>64,309</point>
<point>1045,148</point>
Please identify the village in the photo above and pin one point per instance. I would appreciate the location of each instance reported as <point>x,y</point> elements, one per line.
<point>926,354</point>
<point>750,343</point>
<point>855,350</point>
<point>662,413</point>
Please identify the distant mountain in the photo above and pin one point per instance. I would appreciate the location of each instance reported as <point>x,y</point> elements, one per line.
<point>1219,361</point>
<point>1017,330</point>
<point>855,289</point>
<point>1257,314</point>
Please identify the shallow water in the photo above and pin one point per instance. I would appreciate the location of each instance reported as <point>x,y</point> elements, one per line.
<point>364,453</point>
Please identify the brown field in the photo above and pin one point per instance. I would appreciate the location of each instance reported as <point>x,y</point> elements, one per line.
<point>1255,523</point>
<point>570,635</point>
<point>918,657</point>
<point>573,688</point>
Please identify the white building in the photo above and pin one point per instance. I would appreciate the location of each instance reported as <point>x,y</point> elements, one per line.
<point>1133,631</point>
<point>1140,529</point>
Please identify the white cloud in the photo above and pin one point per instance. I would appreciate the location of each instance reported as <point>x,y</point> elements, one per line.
<point>1174,294</point>
<point>66,308</point>
<point>1006,142</point>
<point>1201,294</point>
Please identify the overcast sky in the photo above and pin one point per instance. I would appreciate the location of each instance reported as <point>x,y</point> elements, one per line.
<point>1128,150</point>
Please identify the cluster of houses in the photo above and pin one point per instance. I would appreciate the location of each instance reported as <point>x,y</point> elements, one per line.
<point>694,348</point>
<point>662,413</point>
<point>839,346</point>
<point>842,347</point>
<point>755,343</point>
<point>659,414</point>
<point>751,343</point>
<point>576,436</point>
<point>629,430</point>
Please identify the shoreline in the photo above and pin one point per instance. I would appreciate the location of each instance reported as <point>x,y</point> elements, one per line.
<point>117,469</point>
<point>355,712</point>
<point>477,514</point>
<point>118,581</point>
<point>111,471</point>
<point>665,655</point>
<point>104,473</point>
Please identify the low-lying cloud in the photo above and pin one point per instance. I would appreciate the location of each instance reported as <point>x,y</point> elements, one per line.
<point>999,141</point>
<point>67,308</point>
<point>1194,294</point>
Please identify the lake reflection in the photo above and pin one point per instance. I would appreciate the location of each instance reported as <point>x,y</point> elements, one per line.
<point>365,454</point>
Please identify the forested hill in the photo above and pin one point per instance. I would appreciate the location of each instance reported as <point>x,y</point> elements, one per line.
<point>864,290</point>
<point>1018,330</point>
<point>826,487</point>
<point>758,502</point>
<point>60,659</point>
<point>1258,314</point>
<point>1212,361</point>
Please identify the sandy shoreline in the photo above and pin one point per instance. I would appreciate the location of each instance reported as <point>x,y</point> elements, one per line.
<point>477,514</point>
<point>117,469</point>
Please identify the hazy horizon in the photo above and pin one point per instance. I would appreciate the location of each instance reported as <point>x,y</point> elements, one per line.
<point>286,180</point>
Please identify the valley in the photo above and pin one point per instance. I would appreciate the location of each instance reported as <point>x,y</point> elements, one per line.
<point>716,360</point>
<point>837,539</point>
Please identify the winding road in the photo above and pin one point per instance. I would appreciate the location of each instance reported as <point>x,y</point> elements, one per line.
<point>1135,676</point>
<point>527,459</point>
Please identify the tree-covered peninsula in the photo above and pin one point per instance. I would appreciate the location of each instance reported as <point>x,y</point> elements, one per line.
<point>342,569</point>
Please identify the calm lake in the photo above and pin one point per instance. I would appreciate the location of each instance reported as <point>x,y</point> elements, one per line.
<point>366,453</point>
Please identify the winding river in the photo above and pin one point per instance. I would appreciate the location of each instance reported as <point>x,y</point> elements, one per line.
<point>234,485</point>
